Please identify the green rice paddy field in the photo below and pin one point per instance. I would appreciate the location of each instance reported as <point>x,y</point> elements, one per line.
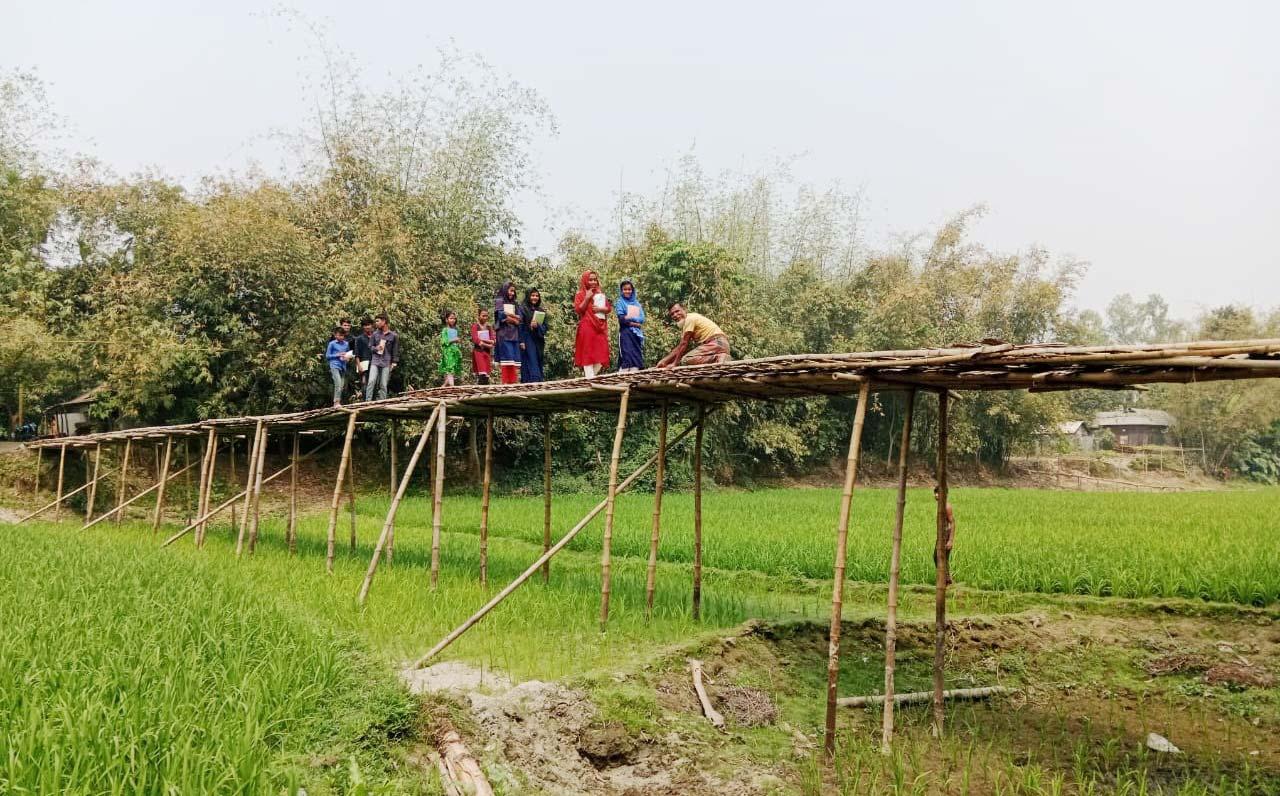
<point>126,668</point>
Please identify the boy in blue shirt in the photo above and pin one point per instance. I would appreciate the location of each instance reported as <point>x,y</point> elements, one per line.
<point>338,354</point>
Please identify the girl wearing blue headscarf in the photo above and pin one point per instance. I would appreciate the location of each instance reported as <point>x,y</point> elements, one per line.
<point>630,328</point>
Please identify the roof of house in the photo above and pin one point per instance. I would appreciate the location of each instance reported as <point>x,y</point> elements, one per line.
<point>1133,417</point>
<point>1070,427</point>
<point>86,397</point>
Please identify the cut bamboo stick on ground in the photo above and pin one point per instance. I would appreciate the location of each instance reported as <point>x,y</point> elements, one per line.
<point>460,765</point>
<point>922,697</point>
<point>713,715</point>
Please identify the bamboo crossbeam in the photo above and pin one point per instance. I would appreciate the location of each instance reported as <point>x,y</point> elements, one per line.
<point>917,697</point>
<point>118,509</point>
<point>838,570</point>
<point>545,557</point>
<point>895,566</point>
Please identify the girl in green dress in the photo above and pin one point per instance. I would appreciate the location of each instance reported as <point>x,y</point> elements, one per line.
<point>450,349</point>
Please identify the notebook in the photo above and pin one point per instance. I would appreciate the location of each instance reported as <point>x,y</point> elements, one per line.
<point>452,333</point>
<point>633,312</point>
<point>539,316</point>
<point>599,300</point>
<point>483,334</point>
<point>509,309</point>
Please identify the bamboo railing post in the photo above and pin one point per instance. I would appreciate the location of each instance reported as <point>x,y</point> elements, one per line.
<point>93,482</point>
<point>940,560</point>
<point>291,531</point>
<point>437,496</point>
<point>895,564</point>
<point>658,483</point>
<point>484,500</point>
<point>252,464</point>
<point>697,518</point>
<point>337,490</point>
<point>62,464</point>
<point>258,466</point>
<point>120,484</point>
<point>837,588</point>
<point>351,501</point>
<point>389,524</point>
<point>163,481</point>
<point>543,559</point>
<point>606,554</point>
<point>206,488</point>
<point>546,493</point>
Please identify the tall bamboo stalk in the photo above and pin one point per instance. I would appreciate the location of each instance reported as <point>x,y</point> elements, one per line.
<point>659,481</point>
<point>484,500</point>
<point>120,484</point>
<point>606,554</point>
<point>62,464</point>
<point>258,466</point>
<point>93,482</point>
<point>252,464</point>
<point>337,489</point>
<point>940,560</point>
<point>291,532</point>
<point>437,495</point>
<point>837,587</point>
<point>546,494</point>
<point>895,564</point>
<point>351,502</point>
<point>206,489</point>
<point>35,493</point>
<point>163,481</point>
<point>395,436</point>
<point>389,524</point>
<point>697,517</point>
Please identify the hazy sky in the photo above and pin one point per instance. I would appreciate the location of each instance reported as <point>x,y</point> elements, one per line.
<point>1141,137</point>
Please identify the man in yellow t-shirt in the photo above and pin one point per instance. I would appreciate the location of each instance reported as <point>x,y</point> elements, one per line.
<point>701,341</point>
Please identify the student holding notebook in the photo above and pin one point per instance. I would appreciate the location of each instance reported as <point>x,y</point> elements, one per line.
<point>506,313</point>
<point>630,328</point>
<point>591,345</point>
<point>450,349</point>
<point>533,337</point>
<point>482,343</point>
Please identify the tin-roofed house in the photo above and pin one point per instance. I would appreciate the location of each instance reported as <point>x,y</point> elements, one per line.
<point>1135,427</point>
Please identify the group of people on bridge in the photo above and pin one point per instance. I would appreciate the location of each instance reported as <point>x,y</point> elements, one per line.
<point>516,340</point>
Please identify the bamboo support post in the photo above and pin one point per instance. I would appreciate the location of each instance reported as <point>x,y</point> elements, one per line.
<point>484,500</point>
<point>259,464</point>
<point>252,466</point>
<point>388,526</point>
<point>206,484</point>
<point>162,481</point>
<point>337,489</point>
<point>186,490</point>
<point>62,465</point>
<point>918,697</point>
<point>291,530</point>
<point>940,560</point>
<point>606,554</point>
<point>546,494</point>
<point>131,501</point>
<point>659,480</point>
<point>231,465</point>
<point>544,558</point>
<point>120,484</point>
<point>35,493</point>
<point>697,518</point>
<point>837,587</point>
<point>93,482</point>
<point>437,494</point>
<point>392,448</point>
<point>895,565</point>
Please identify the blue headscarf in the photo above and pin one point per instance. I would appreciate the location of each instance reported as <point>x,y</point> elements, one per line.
<point>620,306</point>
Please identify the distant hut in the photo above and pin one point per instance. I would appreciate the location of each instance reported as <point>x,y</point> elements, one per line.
<point>1135,427</point>
<point>72,417</point>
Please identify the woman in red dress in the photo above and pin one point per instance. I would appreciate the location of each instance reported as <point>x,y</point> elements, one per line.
<point>591,346</point>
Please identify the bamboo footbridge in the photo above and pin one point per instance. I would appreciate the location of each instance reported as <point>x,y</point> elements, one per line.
<point>992,365</point>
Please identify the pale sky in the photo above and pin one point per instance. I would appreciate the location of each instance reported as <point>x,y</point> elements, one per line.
<point>1141,137</point>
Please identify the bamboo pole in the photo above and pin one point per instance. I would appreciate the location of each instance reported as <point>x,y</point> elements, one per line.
<point>895,565</point>
<point>252,464</point>
<point>93,482</point>
<point>391,540</point>
<point>337,489</point>
<point>437,495</point>
<point>940,560</point>
<point>916,697</point>
<point>658,484</point>
<point>606,554</point>
<point>389,524</point>
<point>351,501</point>
<point>53,504</point>
<point>162,481</point>
<point>35,493</point>
<point>697,518</point>
<point>207,484</point>
<point>62,464</point>
<point>291,532</point>
<point>394,425</point>
<point>131,501</point>
<point>186,490</point>
<point>120,485</point>
<point>258,467</point>
<point>484,500</point>
<point>837,587</point>
<point>546,494</point>
<point>544,558</point>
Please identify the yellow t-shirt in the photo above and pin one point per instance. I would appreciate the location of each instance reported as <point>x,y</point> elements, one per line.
<point>702,327</point>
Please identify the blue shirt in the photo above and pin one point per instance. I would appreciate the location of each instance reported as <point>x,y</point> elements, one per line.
<point>334,353</point>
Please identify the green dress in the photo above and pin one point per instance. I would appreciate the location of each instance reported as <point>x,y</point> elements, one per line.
<point>450,354</point>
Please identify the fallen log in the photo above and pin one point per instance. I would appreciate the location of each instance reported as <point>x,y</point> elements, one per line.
<point>711,713</point>
<point>958,694</point>
<point>461,769</point>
